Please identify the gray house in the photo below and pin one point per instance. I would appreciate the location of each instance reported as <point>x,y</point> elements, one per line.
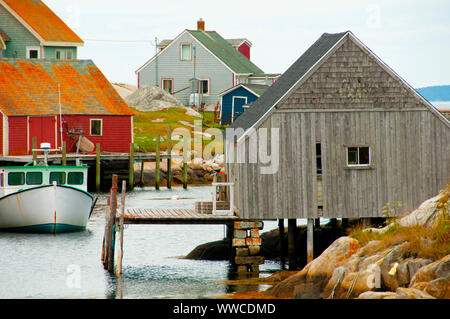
<point>199,61</point>
<point>352,137</point>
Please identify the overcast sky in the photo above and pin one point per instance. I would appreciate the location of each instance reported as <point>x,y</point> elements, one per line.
<point>412,37</point>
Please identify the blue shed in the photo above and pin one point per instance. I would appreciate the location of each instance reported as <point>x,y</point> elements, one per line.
<point>235,100</point>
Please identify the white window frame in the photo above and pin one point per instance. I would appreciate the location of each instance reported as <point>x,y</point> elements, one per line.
<point>232,105</point>
<point>38,49</point>
<point>181,51</point>
<point>90,127</point>
<point>358,146</point>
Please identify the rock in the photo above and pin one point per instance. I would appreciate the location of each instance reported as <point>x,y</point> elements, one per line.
<point>437,269</point>
<point>192,112</point>
<point>411,293</point>
<point>427,214</point>
<point>210,251</point>
<point>317,273</point>
<point>386,263</point>
<point>152,98</point>
<point>438,288</point>
<point>378,295</point>
<point>333,285</point>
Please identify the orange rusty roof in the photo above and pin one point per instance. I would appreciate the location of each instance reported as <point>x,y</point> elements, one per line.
<point>30,87</point>
<point>43,20</point>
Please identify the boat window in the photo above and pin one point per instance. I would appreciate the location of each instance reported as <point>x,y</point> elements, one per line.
<point>34,178</point>
<point>16,178</point>
<point>75,178</point>
<point>58,177</point>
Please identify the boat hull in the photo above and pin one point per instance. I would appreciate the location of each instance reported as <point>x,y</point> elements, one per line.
<point>48,208</point>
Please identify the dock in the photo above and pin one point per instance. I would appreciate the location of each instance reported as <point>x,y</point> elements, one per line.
<point>173,216</point>
<point>243,235</point>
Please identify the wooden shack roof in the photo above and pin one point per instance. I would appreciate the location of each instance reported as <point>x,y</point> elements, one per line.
<point>30,87</point>
<point>300,70</point>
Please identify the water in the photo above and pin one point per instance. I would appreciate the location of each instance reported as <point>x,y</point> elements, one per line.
<point>68,265</point>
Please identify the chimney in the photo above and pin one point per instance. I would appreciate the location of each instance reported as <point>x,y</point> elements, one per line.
<point>200,25</point>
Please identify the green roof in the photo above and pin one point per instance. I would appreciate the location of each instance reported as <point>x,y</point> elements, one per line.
<point>224,51</point>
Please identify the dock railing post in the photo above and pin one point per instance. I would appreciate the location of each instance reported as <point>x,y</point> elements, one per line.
<point>34,146</point>
<point>97,168</point>
<point>158,160</point>
<point>185,161</point>
<point>121,229</point>
<point>64,154</point>
<point>131,167</point>
<point>169,158</point>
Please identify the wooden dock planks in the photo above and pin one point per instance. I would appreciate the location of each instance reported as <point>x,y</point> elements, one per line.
<point>172,215</point>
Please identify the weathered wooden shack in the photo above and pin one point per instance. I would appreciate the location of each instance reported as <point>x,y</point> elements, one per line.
<point>346,118</point>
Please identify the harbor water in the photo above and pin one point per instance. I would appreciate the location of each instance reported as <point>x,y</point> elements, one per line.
<point>68,265</point>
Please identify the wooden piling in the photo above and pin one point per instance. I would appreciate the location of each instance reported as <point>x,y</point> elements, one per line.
<point>158,160</point>
<point>292,231</point>
<point>131,167</point>
<point>97,168</point>
<point>34,146</point>
<point>141,177</point>
<point>64,154</point>
<point>309,241</point>
<point>282,241</point>
<point>120,226</point>
<point>108,239</point>
<point>185,161</point>
<point>169,158</point>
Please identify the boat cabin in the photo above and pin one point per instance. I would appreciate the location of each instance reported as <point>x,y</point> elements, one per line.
<point>14,178</point>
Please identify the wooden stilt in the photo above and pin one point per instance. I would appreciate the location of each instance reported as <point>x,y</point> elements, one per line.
<point>229,238</point>
<point>122,213</point>
<point>282,242</point>
<point>169,158</point>
<point>309,241</point>
<point>131,167</point>
<point>292,230</point>
<point>316,222</point>
<point>344,225</point>
<point>97,168</point>
<point>64,154</point>
<point>158,161</point>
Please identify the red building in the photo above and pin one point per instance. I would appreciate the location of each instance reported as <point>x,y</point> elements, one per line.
<point>33,94</point>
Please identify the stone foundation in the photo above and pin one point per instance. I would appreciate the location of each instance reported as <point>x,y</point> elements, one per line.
<point>246,246</point>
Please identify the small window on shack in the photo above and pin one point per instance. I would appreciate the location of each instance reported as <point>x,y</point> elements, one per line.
<point>58,177</point>
<point>358,156</point>
<point>75,178</point>
<point>96,127</point>
<point>16,178</point>
<point>34,178</point>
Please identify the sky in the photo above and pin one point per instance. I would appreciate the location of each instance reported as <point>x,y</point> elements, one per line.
<point>412,37</point>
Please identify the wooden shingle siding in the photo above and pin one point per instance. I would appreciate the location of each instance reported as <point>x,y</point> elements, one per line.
<point>349,100</point>
<point>170,66</point>
<point>20,37</point>
<point>359,84</point>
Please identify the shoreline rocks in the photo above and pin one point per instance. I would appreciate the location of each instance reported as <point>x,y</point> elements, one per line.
<point>346,270</point>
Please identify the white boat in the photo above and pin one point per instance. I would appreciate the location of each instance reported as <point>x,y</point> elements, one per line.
<point>44,198</point>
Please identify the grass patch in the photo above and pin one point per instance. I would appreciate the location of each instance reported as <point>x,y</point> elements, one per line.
<point>147,126</point>
<point>420,241</point>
